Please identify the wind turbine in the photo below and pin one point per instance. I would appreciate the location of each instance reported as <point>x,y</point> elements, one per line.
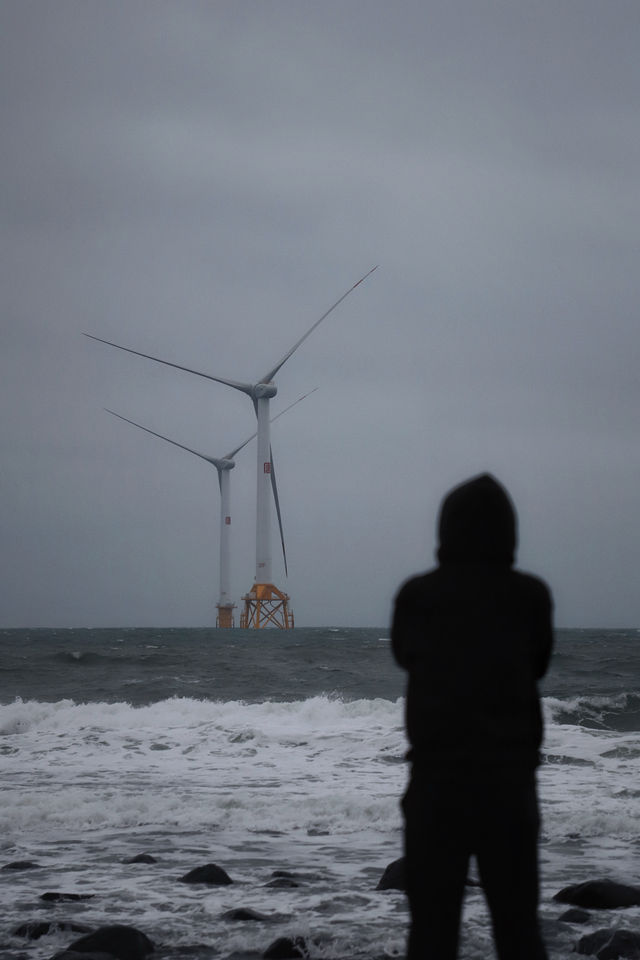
<point>224,465</point>
<point>264,603</point>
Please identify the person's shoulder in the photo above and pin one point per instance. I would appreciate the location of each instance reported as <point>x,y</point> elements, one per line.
<point>535,586</point>
<point>416,586</point>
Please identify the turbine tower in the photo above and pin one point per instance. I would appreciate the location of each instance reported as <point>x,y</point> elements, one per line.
<point>264,604</point>
<point>225,605</point>
<point>223,465</point>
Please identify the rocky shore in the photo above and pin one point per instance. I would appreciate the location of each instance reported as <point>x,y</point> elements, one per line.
<point>123,942</point>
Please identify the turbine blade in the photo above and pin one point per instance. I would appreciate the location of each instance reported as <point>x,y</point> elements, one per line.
<point>271,374</point>
<point>274,487</point>
<point>244,387</point>
<point>303,397</point>
<point>232,453</point>
<point>202,456</point>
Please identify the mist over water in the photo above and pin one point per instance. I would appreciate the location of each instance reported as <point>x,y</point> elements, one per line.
<point>272,751</point>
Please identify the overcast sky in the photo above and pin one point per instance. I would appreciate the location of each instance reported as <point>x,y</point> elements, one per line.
<point>201,180</point>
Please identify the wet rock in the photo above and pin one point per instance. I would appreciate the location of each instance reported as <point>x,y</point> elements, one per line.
<point>394,876</point>
<point>610,944</point>
<point>81,955</point>
<point>575,916</point>
<point>124,943</point>
<point>600,894</point>
<point>210,873</point>
<point>300,876</point>
<point>40,928</point>
<point>141,858</point>
<point>286,948</point>
<point>244,914</point>
<point>21,865</point>
<point>55,896</point>
<point>282,883</point>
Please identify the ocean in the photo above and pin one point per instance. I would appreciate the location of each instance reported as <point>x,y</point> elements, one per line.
<point>272,751</point>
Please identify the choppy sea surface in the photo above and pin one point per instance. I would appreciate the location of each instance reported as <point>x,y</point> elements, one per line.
<point>273,751</point>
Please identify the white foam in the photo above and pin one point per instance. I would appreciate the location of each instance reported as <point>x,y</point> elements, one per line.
<point>316,764</point>
<point>313,764</point>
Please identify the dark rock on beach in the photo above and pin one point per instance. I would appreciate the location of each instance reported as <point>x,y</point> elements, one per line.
<point>298,876</point>
<point>610,944</point>
<point>210,873</point>
<point>286,948</point>
<point>40,928</point>
<point>394,876</point>
<point>124,943</point>
<point>141,858</point>
<point>81,955</point>
<point>600,894</point>
<point>282,883</point>
<point>245,914</point>
<point>55,897</point>
<point>21,865</point>
<point>575,916</point>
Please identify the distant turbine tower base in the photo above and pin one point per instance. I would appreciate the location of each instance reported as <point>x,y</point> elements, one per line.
<point>266,606</point>
<point>224,616</point>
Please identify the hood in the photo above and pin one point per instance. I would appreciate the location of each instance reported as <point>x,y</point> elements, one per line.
<point>477,523</point>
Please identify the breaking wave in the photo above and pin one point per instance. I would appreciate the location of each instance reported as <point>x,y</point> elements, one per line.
<point>621,712</point>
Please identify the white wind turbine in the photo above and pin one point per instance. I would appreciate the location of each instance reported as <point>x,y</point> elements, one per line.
<point>264,603</point>
<point>224,465</point>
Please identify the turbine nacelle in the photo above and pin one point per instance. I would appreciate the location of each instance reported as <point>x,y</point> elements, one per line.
<point>264,391</point>
<point>224,464</point>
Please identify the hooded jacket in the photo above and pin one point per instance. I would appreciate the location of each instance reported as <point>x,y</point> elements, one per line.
<point>475,637</point>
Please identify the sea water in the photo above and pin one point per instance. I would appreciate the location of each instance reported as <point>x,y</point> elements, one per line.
<point>264,751</point>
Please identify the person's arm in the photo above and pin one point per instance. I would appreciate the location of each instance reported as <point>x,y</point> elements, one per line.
<point>401,627</point>
<point>544,630</point>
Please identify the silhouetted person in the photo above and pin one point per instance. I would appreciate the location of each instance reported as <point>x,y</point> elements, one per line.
<point>474,636</point>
